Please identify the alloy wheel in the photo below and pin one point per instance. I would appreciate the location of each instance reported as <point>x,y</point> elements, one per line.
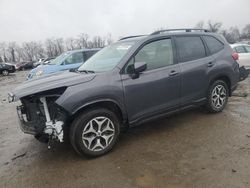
<point>98,133</point>
<point>219,95</point>
<point>5,72</point>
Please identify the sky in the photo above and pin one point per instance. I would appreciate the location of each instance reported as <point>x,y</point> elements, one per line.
<point>27,20</point>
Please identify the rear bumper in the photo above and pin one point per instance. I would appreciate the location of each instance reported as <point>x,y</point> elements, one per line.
<point>244,73</point>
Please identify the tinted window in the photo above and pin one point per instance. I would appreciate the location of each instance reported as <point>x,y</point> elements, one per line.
<point>213,44</point>
<point>74,58</point>
<point>88,54</point>
<point>190,48</point>
<point>156,54</point>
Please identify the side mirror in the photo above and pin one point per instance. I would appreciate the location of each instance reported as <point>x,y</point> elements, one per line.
<point>140,67</point>
<point>135,69</point>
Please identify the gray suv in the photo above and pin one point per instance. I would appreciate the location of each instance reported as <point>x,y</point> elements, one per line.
<point>134,80</point>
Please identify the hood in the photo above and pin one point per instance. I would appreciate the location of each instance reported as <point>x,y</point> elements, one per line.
<point>52,81</point>
<point>45,68</point>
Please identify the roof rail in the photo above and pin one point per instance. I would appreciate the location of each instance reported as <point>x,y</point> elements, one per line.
<point>185,30</point>
<point>133,36</point>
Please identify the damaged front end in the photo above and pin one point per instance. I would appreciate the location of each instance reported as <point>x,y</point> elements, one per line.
<point>40,116</point>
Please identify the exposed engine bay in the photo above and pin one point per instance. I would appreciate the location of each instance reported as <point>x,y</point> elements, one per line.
<point>42,117</point>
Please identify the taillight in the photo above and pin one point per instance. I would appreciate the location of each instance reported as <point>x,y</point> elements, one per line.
<point>235,56</point>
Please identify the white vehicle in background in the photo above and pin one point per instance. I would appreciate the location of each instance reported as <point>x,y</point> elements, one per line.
<point>244,54</point>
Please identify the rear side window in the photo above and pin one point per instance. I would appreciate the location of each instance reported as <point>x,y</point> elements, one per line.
<point>247,49</point>
<point>76,57</point>
<point>190,48</point>
<point>240,49</point>
<point>88,54</point>
<point>213,44</point>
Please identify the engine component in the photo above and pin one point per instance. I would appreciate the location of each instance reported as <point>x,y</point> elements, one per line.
<point>53,128</point>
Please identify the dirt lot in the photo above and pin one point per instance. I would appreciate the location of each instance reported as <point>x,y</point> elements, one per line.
<point>191,149</point>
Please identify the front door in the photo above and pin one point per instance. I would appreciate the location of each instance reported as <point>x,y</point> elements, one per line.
<point>157,89</point>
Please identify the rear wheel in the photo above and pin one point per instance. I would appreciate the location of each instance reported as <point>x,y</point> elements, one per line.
<point>217,96</point>
<point>95,132</point>
<point>5,72</point>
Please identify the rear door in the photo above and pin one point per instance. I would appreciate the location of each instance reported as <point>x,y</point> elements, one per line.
<point>158,88</point>
<point>194,65</point>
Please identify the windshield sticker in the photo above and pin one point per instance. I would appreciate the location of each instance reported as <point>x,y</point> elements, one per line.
<point>123,47</point>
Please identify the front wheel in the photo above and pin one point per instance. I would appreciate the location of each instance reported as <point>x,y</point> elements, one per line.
<point>95,132</point>
<point>5,72</point>
<point>217,96</point>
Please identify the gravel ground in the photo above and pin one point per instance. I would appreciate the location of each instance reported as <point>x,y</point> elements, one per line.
<point>191,149</point>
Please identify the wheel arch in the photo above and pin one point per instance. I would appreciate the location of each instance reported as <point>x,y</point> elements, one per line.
<point>104,103</point>
<point>224,78</point>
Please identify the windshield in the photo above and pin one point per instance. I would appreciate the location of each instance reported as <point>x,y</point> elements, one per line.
<point>107,58</point>
<point>59,59</point>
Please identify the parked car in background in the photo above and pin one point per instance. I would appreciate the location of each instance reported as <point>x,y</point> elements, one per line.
<point>244,42</point>
<point>244,54</point>
<point>67,60</point>
<point>6,68</point>
<point>42,61</point>
<point>24,65</point>
<point>132,81</point>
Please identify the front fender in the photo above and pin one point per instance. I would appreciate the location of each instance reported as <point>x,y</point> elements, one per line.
<point>98,90</point>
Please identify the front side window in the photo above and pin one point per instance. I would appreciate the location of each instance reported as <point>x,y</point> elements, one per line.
<point>213,44</point>
<point>156,54</point>
<point>190,48</point>
<point>76,57</point>
<point>107,58</point>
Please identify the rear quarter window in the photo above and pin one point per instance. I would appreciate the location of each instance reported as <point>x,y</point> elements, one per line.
<point>190,48</point>
<point>213,44</point>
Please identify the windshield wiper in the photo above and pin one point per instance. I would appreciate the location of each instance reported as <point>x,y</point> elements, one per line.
<point>86,71</point>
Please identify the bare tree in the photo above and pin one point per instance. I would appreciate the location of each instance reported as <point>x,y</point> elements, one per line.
<point>246,32</point>
<point>59,45</point>
<point>3,49</point>
<point>232,35</point>
<point>98,42</point>
<point>70,44</point>
<point>28,48</point>
<point>109,39</point>
<point>200,25</point>
<point>12,46</point>
<point>214,26</point>
<point>82,40</point>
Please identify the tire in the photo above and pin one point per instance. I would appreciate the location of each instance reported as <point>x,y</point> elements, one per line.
<point>217,96</point>
<point>5,72</point>
<point>89,138</point>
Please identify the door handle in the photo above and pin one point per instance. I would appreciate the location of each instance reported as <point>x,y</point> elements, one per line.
<point>173,73</point>
<point>210,64</point>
